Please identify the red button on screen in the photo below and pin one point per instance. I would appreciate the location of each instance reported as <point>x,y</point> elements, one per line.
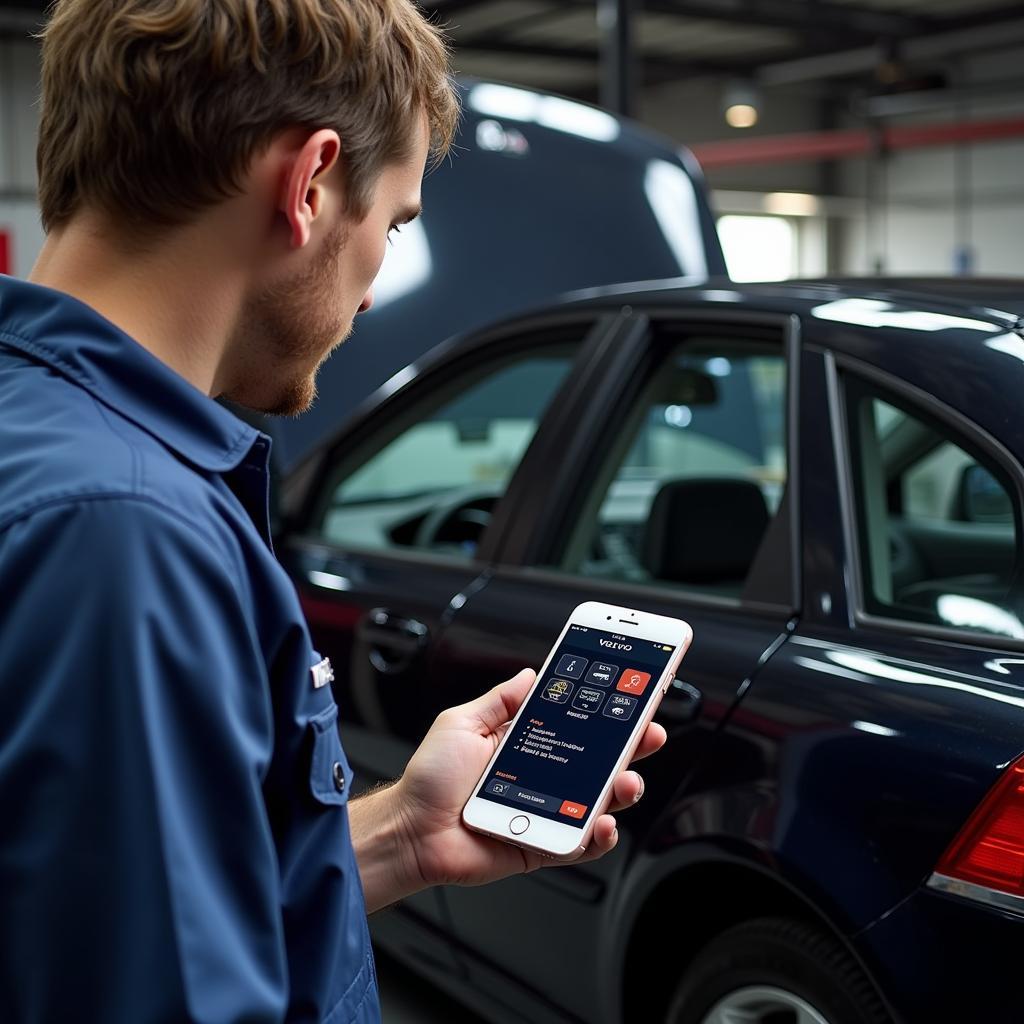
<point>572,810</point>
<point>634,681</point>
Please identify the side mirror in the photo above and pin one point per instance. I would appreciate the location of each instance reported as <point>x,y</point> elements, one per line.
<point>981,498</point>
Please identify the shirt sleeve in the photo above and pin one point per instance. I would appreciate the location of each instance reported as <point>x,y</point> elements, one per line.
<point>138,878</point>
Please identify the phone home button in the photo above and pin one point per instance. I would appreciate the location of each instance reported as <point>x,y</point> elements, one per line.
<point>519,824</point>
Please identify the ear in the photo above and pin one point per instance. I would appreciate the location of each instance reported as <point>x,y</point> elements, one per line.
<point>302,188</point>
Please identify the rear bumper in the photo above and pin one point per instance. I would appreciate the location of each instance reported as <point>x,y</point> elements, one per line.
<point>939,957</point>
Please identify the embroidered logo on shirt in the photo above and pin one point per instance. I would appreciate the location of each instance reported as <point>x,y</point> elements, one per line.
<point>322,673</point>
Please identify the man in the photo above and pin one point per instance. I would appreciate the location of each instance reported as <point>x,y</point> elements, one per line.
<point>217,179</point>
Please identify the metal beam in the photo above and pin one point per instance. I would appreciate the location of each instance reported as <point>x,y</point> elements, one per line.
<point>666,68</point>
<point>968,37</point>
<point>618,73</point>
<point>798,15</point>
<point>795,15</point>
<point>856,142</point>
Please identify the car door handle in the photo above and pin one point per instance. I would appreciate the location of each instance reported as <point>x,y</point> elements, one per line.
<point>394,641</point>
<point>682,703</point>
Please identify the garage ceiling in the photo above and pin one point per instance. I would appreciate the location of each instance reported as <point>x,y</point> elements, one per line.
<point>886,45</point>
<point>557,44</point>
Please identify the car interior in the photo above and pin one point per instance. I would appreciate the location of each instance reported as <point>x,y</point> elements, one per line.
<point>939,529</point>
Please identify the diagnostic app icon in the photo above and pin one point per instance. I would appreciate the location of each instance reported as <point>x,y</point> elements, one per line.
<point>621,708</point>
<point>587,699</point>
<point>571,665</point>
<point>558,690</point>
<point>633,681</point>
<point>602,674</point>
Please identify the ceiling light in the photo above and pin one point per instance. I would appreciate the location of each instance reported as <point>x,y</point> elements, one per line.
<point>741,104</point>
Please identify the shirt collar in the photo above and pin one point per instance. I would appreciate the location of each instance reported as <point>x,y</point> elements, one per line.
<point>85,347</point>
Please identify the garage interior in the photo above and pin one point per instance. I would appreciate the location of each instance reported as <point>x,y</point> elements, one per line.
<point>884,137</point>
<point>837,139</point>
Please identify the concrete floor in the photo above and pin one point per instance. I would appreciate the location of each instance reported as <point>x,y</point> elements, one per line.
<point>407,999</point>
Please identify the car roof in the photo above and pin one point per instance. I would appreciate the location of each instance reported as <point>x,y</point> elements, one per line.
<point>995,301</point>
<point>519,215</point>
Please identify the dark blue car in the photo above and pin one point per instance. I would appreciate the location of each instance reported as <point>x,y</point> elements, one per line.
<point>541,195</point>
<point>826,481</point>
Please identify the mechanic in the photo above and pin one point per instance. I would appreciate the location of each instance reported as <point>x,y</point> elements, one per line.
<point>217,180</point>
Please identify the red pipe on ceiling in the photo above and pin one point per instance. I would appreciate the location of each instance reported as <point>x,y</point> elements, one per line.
<point>840,145</point>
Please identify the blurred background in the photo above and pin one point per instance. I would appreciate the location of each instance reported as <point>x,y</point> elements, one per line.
<point>880,136</point>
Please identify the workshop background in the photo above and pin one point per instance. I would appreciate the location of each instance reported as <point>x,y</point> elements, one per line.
<point>880,136</point>
<point>837,139</point>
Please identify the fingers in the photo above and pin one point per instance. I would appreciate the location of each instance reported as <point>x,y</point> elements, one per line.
<point>626,791</point>
<point>653,740</point>
<point>605,839</point>
<point>495,707</point>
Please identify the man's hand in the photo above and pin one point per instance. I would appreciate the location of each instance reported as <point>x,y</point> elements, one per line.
<point>421,813</point>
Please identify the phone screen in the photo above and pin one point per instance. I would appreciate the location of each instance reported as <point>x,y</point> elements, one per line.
<point>576,724</point>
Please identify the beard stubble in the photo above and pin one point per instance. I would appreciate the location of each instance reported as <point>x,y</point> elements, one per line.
<point>298,328</point>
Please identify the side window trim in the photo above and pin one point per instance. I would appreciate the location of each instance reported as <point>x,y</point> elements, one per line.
<point>837,363</point>
<point>768,598</point>
<point>531,336</point>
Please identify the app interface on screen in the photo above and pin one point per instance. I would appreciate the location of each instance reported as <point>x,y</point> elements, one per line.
<point>576,725</point>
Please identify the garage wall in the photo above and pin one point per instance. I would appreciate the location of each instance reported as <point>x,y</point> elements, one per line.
<point>916,228</point>
<point>916,225</point>
<point>19,217</point>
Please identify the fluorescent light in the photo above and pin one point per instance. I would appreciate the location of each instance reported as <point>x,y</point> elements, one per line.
<point>577,119</point>
<point>672,199</point>
<point>328,580</point>
<point>876,313</point>
<point>504,101</point>
<point>1011,344</point>
<point>873,727</point>
<point>958,610</point>
<point>552,112</point>
<point>791,204</point>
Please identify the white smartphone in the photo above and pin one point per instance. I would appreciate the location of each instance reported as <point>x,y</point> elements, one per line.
<point>551,777</point>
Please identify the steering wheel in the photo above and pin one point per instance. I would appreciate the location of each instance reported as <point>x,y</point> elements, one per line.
<point>459,520</point>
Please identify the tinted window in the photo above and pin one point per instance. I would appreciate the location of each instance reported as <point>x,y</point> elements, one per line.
<point>937,520</point>
<point>696,474</point>
<point>430,480</point>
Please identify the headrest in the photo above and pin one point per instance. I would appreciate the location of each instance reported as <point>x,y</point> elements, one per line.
<point>704,530</point>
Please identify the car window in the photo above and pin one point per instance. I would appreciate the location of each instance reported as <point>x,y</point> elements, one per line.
<point>688,489</point>
<point>937,520</point>
<point>431,479</point>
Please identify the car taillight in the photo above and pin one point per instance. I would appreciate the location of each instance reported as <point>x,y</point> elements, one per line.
<point>989,849</point>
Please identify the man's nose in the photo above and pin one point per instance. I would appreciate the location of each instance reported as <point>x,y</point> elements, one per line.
<point>367,301</point>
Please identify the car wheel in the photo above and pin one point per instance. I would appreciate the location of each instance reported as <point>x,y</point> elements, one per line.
<point>775,971</point>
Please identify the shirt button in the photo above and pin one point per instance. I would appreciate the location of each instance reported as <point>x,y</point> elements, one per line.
<point>339,777</point>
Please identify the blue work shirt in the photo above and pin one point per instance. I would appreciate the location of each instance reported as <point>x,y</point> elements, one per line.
<point>174,836</point>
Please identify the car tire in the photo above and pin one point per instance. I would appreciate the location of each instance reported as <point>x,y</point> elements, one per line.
<point>775,971</point>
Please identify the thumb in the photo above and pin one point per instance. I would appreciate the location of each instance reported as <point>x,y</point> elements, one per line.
<point>495,707</point>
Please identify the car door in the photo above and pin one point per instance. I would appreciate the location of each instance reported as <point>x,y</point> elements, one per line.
<point>685,437</point>
<point>397,520</point>
<point>401,513</point>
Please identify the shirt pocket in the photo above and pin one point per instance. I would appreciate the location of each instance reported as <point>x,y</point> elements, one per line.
<point>330,774</point>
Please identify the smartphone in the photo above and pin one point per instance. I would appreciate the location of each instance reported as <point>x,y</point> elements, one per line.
<point>551,777</point>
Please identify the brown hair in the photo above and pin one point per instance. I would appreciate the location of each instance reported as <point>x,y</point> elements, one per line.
<point>153,109</point>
